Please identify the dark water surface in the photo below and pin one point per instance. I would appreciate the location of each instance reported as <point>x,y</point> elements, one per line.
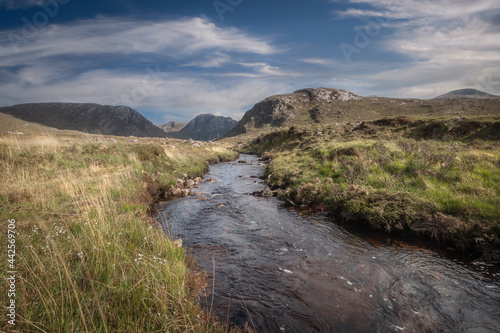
<point>305,274</point>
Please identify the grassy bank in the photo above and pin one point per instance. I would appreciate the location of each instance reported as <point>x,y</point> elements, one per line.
<point>436,179</point>
<point>87,254</point>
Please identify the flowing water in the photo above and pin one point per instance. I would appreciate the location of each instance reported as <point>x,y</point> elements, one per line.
<point>284,272</point>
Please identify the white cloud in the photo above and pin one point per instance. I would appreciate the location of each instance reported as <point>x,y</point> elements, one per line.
<point>104,35</point>
<point>215,60</point>
<point>449,43</point>
<point>162,92</point>
<point>321,62</point>
<point>19,4</point>
<point>114,61</point>
<point>412,9</point>
<point>265,69</point>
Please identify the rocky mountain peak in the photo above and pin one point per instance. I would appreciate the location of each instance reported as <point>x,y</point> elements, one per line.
<point>327,95</point>
<point>296,107</point>
<point>172,126</point>
<point>205,127</point>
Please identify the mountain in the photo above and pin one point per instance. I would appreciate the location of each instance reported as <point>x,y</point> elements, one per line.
<point>326,106</point>
<point>172,126</point>
<point>466,93</point>
<point>205,127</point>
<point>86,117</point>
<point>300,106</point>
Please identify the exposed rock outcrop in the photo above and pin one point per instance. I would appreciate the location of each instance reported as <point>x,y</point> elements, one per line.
<point>278,110</point>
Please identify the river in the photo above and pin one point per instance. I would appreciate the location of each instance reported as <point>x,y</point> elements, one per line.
<point>282,271</point>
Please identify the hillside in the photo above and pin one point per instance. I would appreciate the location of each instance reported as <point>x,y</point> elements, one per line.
<point>90,118</point>
<point>205,127</point>
<point>466,93</point>
<point>326,106</point>
<point>10,125</point>
<point>172,126</point>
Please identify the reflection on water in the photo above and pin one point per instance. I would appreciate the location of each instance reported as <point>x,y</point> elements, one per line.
<point>305,274</point>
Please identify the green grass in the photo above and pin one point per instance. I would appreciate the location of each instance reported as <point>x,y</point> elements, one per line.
<point>444,187</point>
<point>88,254</point>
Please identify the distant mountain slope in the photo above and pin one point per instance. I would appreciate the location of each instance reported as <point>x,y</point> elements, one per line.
<point>10,125</point>
<point>205,127</point>
<point>172,126</point>
<point>86,117</point>
<point>327,106</point>
<point>466,93</point>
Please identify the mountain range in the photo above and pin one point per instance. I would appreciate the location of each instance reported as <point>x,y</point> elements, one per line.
<point>321,106</point>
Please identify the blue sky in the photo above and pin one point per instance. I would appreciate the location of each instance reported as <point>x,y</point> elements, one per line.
<point>173,60</point>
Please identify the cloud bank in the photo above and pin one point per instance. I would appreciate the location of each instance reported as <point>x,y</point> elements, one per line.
<point>174,66</point>
<point>450,44</point>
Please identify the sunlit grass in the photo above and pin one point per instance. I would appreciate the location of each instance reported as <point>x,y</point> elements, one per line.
<point>391,180</point>
<point>88,255</point>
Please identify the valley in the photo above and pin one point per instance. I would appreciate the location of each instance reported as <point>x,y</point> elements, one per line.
<point>420,172</point>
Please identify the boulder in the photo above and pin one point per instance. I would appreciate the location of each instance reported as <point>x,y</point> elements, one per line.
<point>190,183</point>
<point>267,193</point>
<point>177,192</point>
<point>177,242</point>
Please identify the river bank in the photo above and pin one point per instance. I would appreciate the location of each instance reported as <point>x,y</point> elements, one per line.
<point>433,179</point>
<point>87,255</point>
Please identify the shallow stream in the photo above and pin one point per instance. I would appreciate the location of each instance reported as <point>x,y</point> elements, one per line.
<point>281,271</point>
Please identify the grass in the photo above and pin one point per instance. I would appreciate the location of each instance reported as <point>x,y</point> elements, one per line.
<point>88,253</point>
<point>429,178</point>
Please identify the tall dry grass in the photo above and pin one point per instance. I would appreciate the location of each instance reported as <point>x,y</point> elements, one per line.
<point>87,254</point>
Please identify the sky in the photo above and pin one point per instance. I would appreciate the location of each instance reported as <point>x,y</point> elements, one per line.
<point>176,59</point>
